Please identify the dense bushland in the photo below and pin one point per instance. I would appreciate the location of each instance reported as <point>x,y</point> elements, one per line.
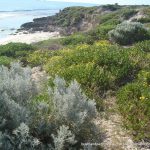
<point>102,67</point>
<point>58,115</point>
<point>98,68</point>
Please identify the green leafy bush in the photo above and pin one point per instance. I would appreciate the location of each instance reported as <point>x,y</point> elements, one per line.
<point>134,105</point>
<point>112,18</point>
<point>100,32</point>
<point>4,60</point>
<point>143,46</point>
<point>38,58</point>
<point>128,33</point>
<point>74,39</point>
<point>15,50</point>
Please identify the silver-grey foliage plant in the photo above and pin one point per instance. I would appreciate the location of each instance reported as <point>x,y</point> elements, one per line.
<point>16,89</point>
<point>70,109</point>
<point>64,135</point>
<point>71,104</point>
<point>17,83</point>
<point>128,33</point>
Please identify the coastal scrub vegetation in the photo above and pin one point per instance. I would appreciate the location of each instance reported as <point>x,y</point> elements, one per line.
<point>62,119</point>
<point>82,70</point>
<point>14,51</point>
<point>134,105</point>
<point>76,19</point>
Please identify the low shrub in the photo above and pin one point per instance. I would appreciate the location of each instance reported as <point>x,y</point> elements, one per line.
<point>38,58</point>
<point>71,16</point>
<point>112,18</point>
<point>4,60</point>
<point>74,39</point>
<point>128,33</point>
<point>101,32</point>
<point>134,105</point>
<point>143,46</point>
<point>15,50</point>
<point>50,44</point>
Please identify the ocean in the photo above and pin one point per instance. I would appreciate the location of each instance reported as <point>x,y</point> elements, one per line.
<point>16,12</point>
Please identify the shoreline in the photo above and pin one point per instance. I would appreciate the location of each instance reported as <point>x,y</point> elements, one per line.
<point>29,38</point>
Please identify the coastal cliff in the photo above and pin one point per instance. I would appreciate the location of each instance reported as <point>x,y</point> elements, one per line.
<point>70,20</point>
<point>76,19</point>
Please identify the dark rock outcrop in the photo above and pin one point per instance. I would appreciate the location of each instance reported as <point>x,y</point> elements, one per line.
<point>67,21</point>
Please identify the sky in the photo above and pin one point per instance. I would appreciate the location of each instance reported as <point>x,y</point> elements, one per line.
<point>121,2</point>
<point>10,5</point>
<point>45,4</point>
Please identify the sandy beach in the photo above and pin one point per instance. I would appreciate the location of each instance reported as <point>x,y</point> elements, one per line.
<point>29,37</point>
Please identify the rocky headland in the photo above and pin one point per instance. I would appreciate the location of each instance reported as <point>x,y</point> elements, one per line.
<point>70,20</point>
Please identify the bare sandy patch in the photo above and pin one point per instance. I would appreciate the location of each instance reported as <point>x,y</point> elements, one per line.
<point>29,37</point>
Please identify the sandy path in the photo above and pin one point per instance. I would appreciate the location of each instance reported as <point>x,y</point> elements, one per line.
<point>30,37</point>
<point>116,137</point>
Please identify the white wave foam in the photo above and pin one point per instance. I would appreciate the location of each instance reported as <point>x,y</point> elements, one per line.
<point>6,15</point>
<point>39,13</point>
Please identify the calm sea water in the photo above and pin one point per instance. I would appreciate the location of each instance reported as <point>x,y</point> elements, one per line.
<point>13,13</point>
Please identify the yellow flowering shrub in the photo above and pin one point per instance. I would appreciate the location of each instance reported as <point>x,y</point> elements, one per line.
<point>55,65</point>
<point>98,68</point>
<point>39,57</point>
<point>102,43</point>
<point>134,105</point>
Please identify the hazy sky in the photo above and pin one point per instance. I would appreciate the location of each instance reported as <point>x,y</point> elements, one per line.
<point>108,1</point>
<point>38,4</point>
<point>35,4</point>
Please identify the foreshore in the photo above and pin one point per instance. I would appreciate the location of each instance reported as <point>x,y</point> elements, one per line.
<point>29,37</point>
